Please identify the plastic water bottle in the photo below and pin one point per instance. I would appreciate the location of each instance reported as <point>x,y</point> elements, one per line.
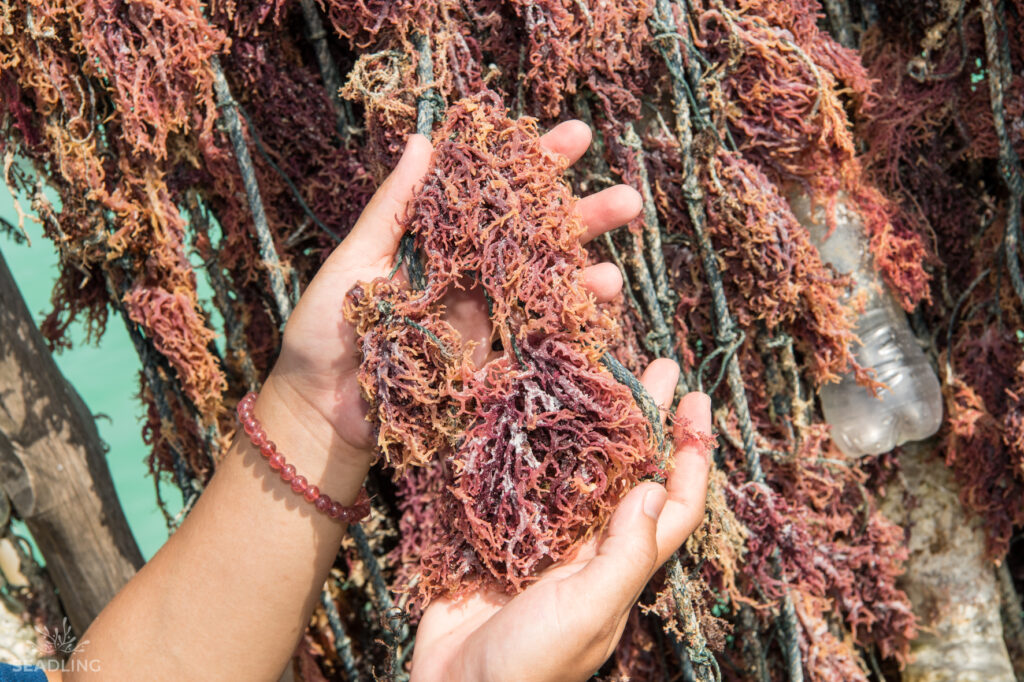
<point>910,406</point>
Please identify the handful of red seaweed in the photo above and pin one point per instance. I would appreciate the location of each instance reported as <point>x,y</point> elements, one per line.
<point>527,453</point>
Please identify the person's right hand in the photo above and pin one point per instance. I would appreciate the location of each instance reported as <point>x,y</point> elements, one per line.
<point>565,626</point>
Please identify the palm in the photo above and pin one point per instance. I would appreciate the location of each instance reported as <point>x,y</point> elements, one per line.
<point>320,355</point>
<point>582,604</point>
<point>450,628</point>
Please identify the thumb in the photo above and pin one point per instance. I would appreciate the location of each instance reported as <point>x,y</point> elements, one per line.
<point>628,554</point>
<point>377,232</point>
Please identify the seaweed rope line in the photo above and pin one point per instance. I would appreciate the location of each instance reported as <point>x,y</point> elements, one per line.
<point>328,70</point>
<point>663,24</point>
<point>999,72</point>
<point>264,238</point>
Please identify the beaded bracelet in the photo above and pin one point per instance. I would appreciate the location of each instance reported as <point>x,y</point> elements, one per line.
<point>323,502</point>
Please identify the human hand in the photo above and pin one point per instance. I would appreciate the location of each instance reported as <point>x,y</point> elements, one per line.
<point>564,626</point>
<point>316,374</point>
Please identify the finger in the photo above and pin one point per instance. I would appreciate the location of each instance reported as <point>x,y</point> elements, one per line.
<point>376,234</point>
<point>608,209</point>
<point>569,139</point>
<point>660,379</point>
<point>605,590</point>
<point>625,559</point>
<point>604,280</point>
<point>585,612</point>
<point>687,484</point>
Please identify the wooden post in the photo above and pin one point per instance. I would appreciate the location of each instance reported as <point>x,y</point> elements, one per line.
<point>52,466</point>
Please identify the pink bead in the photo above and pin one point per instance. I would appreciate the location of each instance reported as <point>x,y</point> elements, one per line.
<point>276,461</point>
<point>299,484</point>
<point>312,494</point>
<point>287,472</point>
<point>250,426</point>
<point>259,436</point>
<point>335,510</point>
<point>268,449</point>
<point>323,503</point>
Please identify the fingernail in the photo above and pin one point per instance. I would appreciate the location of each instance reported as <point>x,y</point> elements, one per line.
<point>654,501</point>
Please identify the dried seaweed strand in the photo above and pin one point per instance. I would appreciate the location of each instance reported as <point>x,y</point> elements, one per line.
<point>186,480</point>
<point>384,605</point>
<point>342,642</point>
<point>1009,163</point>
<point>183,475</point>
<point>704,663</point>
<point>328,69</point>
<point>663,22</point>
<point>652,231</point>
<point>296,194</point>
<point>221,298</point>
<point>264,238</point>
<point>644,401</point>
<point>838,12</point>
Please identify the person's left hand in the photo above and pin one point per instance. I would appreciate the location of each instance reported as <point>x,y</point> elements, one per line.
<point>564,626</point>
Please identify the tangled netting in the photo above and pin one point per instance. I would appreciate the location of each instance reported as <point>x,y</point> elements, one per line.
<point>167,144</point>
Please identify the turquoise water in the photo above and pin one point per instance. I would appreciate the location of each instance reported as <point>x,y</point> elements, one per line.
<point>106,375</point>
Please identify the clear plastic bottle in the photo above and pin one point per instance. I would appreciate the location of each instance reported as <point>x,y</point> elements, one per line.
<point>910,407</point>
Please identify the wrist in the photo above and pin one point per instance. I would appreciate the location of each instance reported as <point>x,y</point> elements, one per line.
<point>310,442</point>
